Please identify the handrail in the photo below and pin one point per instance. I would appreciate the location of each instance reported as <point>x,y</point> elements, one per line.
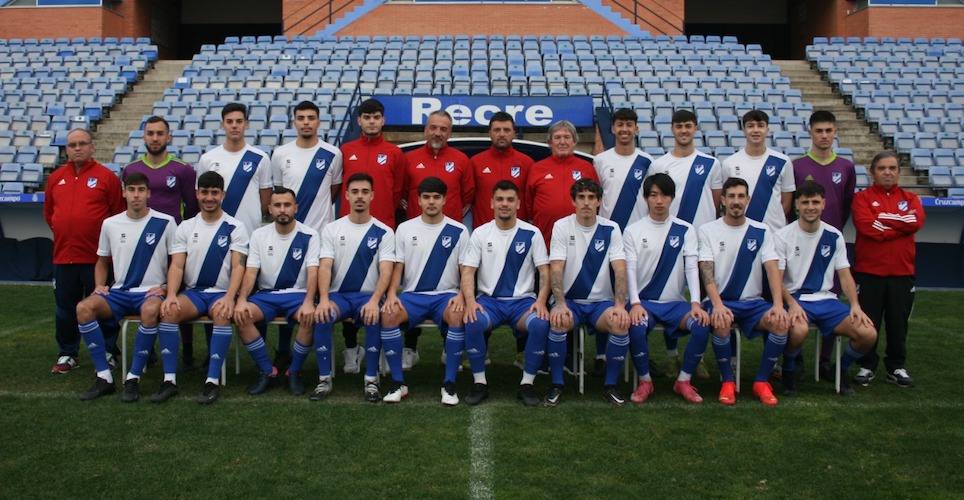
<point>327,19</point>
<point>637,18</point>
<point>344,129</point>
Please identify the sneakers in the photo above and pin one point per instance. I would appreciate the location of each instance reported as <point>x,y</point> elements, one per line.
<point>265,381</point>
<point>322,390</point>
<point>612,396</point>
<point>863,377</point>
<point>644,389</point>
<point>100,388</point>
<point>372,394</point>
<point>353,358</point>
<point>553,397</point>
<point>901,378</point>
<point>281,361</point>
<point>519,361</point>
<point>687,391</point>
<point>599,367</point>
<point>478,394</point>
<point>295,385</point>
<point>845,389</point>
<point>409,358</point>
<point>764,392</point>
<point>396,393</point>
<point>64,364</point>
<point>728,393</point>
<point>132,391</point>
<point>209,394</point>
<point>789,381</point>
<point>111,361</point>
<point>449,396</point>
<point>167,391</point>
<point>527,395</point>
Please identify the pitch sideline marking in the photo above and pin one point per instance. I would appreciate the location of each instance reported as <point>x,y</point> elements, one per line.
<point>480,467</point>
<point>25,327</point>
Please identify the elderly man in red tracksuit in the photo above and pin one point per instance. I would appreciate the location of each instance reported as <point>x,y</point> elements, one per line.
<point>437,159</point>
<point>886,218</point>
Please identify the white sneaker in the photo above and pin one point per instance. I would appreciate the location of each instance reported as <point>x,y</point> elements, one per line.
<point>409,358</point>
<point>396,394</point>
<point>449,398</point>
<point>353,359</point>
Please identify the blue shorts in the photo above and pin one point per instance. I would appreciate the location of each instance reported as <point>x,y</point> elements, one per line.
<point>668,314</point>
<point>349,305</point>
<point>826,314</point>
<point>422,306</point>
<point>273,305</point>
<point>123,303</point>
<point>588,313</point>
<point>746,314</point>
<point>503,312</point>
<point>203,300</point>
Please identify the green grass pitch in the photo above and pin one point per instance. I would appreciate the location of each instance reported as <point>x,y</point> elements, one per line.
<point>885,442</point>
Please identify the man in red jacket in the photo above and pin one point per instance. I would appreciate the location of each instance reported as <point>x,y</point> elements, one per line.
<point>437,159</point>
<point>886,218</point>
<point>78,197</point>
<point>501,162</point>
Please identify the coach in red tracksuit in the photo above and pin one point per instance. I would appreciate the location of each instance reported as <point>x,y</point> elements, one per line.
<point>886,218</point>
<point>79,196</point>
<point>501,162</point>
<point>437,159</point>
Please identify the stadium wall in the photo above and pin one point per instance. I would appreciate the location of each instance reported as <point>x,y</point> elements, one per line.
<point>132,18</point>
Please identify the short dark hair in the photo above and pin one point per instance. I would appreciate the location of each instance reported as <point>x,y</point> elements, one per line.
<point>586,185</point>
<point>625,114</point>
<point>683,116</point>
<point>432,185</point>
<point>136,179</point>
<point>306,105</point>
<point>233,107</point>
<point>210,179</point>
<point>283,190</point>
<point>371,106</point>
<point>882,156</point>
<point>505,185</point>
<point>501,116</point>
<point>810,188</point>
<point>755,115</point>
<point>822,116</point>
<point>663,181</point>
<point>157,119</point>
<point>361,177</point>
<point>734,182</point>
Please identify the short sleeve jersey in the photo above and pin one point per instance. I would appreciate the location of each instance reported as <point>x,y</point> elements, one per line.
<point>768,176</point>
<point>356,250</point>
<point>587,252</point>
<point>809,260</point>
<point>506,259</point>
<point>207,266</point>
<point>738,254</point>
<point>283,259</point>
<point>622,182</point>
<point>310,173</point>
<point>138,249</point>
<point>245,172</point>
<point>655,250</point>
<point>695,177</point>
<point>431,255</point>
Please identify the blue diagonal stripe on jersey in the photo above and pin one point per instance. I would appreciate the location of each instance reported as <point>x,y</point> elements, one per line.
<point>666,264</point>
<point>435,265</point>
<point>629,195</point>
<point>291,267</point>
<point>239,183</point>
<point>763,190</point>
<point>693,191</point>
<point>514,260</point>
<point>591,264</point>
<point>214,258</point>
<point>144,251</point>
<point>314,176</point>
<point>745,260</point>
<point>362,261</point>
<point>818,266</point>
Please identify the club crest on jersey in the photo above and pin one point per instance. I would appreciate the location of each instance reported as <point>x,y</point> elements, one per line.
<point>450,166</point>
<point>223,240</point>
<point>446,241</point>
<point>700,170</point>
<point>836,177</point>
<point>381,159</point>
<point>674,241</point>
<point>92,182</point>
<point>637,174</point>
<point>150,238</point>
<point>320,164</point>
<point>576,175</point>
<point>599,245</point>
<point>771,170</point>
<point>825,250</point>
<point>296,254</point>
<point>247,166</point>
<point>520,247</point>
<point>372,242</point>
<point>515,172</point>
<point>170,181</point>
<point>751,244</point>
<point>902,205</point>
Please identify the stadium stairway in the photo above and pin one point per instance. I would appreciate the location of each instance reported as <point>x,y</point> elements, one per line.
<point>138,103</point>
<point>852,132</point>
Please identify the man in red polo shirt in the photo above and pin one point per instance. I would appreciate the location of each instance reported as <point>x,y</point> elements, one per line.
<point>501,162</point>
<point>78,197</point>
<point>437,159</point>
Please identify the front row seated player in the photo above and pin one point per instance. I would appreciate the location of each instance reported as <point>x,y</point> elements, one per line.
<point>505,253</point>
<point>810,252</point>
<point>427,252</point>
<point>283,262</point>
<point>661,262</point>
<point>208,257</point>
<point>733,252</point>
<point>138,242</point>
<point>587,268</point>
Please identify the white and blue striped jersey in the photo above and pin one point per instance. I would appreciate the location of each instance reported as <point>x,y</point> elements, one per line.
<point>430,253</point>
<point>738,254</point>
<point>768,177</point>
<point>245,173</point>
<point>809,260</point>
<point>138,249</point>
<point>310,173</point>
<point>587,252</point>
<point>655,252</point>
<point>506,259</point>
<point>622,182</point>
<point>207,266</point>
<point>353,249</point>
<point>695,176</point>
<point>283,259</point>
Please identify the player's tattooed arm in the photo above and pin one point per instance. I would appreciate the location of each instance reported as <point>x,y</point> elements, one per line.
<point>556,269</point>
<point>621,285</point>
<point>707,273</point>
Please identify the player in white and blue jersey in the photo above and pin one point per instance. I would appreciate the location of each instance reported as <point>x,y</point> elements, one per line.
<point>283,262</point>
<point>355,268</point>
<point>734,250</point>
<point>207,257</point>
<point>138,243</point>
<point>587,269</point>
<point>661,262</point>
<point>811,251</point>
<point>621,170</point>
<point>505,255</point>
<point>427,252</point>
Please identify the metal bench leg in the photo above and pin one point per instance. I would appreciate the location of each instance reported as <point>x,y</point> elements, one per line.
<point>237,353</point>
<point>124,325</point>
<point>837,350</point>
<point>816,356</point>
<point>739,351</point>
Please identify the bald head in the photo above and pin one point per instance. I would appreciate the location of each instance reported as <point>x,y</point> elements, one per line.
<point>80,146</point>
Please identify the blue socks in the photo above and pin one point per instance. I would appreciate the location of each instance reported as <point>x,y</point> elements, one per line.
<point>616,350</point>
<point>299,352</point>
<point>639,347</point>
<point>849,356</point>
<point>535,350</point>
<point>94,338</point>
<point>143,343</point>
<point>259,353</point>
<point>169,336</point>
<point>695,347</point>
<point>772,349</point>
<point>722,349</point>
<point>392,344</point>
<point>790,360</point>
<point>220,341</point>
<point>323,348</point>
<point>475,342</point>
<point>557,355</point>
<point>373,345</point>
<point>454,344</point>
